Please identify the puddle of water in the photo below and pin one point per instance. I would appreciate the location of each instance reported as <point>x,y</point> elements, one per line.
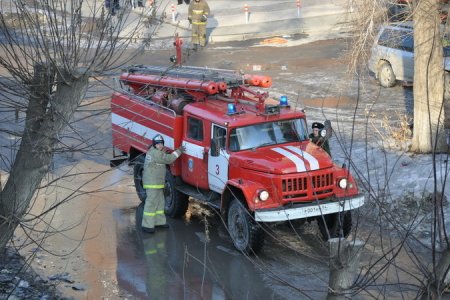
<point>176,263</point>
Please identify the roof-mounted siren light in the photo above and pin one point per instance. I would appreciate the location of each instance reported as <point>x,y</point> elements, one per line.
<point>232,109</point>
<point>284,101</point>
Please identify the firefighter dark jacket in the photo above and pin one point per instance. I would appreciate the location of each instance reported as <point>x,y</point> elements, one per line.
<point>196,12</point>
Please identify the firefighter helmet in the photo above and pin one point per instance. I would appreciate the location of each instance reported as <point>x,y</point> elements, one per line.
<point>157,139</point>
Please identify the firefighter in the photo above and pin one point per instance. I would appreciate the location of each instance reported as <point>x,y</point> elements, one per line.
<point>112,6</point>
<point>153,180</point>
<point>198,16</point>
<point>316,138</point>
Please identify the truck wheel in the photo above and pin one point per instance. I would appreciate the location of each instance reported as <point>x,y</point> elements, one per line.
<point>137,171</point>
<point>338,225</point>
<point>176,203</point>
<point>386,75</point>
<point>246,234</point>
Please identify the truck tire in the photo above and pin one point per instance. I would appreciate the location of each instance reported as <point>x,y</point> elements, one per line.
<point>386,75</point>
<point>336,227</point>
<point>245,232</point>
<point>176,203</point>
<point>137,172</point>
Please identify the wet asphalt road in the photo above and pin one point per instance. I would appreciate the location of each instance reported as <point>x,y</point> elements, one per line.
<point>192,260</point>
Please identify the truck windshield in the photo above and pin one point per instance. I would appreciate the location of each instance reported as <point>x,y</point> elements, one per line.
<point>270,133</point>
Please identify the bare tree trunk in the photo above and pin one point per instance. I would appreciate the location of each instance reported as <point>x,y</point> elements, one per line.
<point>438,279</point>
<point>47,114</point>
<point>428,80</point>
<point>344,260</point>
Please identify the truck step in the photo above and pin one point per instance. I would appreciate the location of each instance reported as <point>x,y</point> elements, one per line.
<point>208,197</point>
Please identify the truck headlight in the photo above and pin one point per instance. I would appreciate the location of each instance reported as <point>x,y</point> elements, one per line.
<point>263,195</point>
<point>343,183</point>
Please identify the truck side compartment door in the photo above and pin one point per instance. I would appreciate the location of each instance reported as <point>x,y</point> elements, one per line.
<point>218,165</point>
<point>194,165</point>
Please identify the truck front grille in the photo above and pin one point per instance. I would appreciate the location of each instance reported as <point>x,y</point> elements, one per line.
<point>308,187</point>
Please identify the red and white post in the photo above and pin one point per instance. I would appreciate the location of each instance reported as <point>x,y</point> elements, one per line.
<point>246,13</point>
<point>298,8</point>
<point>173,13</point>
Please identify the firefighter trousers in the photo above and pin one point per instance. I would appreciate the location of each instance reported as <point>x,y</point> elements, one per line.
<point>198,34</point>
<point>154,209</point>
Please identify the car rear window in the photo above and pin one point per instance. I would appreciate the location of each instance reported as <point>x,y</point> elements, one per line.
<point>397,39</point>
<point>447,51</point>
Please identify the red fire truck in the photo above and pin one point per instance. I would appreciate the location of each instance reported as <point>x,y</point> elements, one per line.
<point>247,155</point>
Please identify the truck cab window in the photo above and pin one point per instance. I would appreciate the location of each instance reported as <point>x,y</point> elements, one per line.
<point>195,129</point>
<point>269,133</point>
<point>219,134</point>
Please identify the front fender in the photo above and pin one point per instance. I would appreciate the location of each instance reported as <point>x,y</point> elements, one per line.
<point>249,191</point>
<point>351,190</point>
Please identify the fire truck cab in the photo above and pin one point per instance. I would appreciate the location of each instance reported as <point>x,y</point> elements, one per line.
<point>247,155</point>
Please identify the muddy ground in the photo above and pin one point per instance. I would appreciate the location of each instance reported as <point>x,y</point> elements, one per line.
<point>98,253</point>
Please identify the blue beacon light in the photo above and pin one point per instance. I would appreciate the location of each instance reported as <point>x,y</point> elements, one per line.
<point>284,101</point>
<point>231,108</point>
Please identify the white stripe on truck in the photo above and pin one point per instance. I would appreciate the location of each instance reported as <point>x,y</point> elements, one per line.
<point>313,162</point>
<point>194,150</point>
<point>299,164</point>
<point>140,129</point>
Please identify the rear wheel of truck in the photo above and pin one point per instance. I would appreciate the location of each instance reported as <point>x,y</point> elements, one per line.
<point>176,203</point>
<point>245,232</point>
<point>137,172</point>
<point>337,225</point>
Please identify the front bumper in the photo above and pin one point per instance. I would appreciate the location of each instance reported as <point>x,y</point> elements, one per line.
<point>308,210</point>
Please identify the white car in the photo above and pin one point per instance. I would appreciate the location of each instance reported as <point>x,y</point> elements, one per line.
<point>392,55</point>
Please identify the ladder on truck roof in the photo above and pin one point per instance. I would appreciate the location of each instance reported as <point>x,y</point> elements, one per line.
<point>231,78</point>
<point>196,83</point>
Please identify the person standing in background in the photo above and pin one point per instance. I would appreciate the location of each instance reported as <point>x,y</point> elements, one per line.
<point>198,16</point>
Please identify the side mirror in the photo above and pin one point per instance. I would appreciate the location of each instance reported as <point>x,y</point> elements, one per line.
<point>215,148</point>
<point>328,129</point>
